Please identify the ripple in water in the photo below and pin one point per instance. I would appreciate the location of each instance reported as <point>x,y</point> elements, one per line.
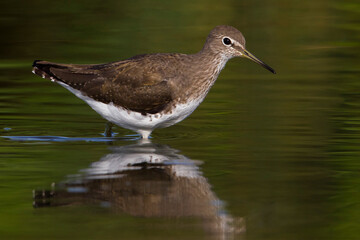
<point>71,139</point>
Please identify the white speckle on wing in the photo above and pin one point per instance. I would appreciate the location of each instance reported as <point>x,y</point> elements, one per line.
<point>33,71</point>
<point>143,124</point>
<point>43,76</point>
<point>52,79</point>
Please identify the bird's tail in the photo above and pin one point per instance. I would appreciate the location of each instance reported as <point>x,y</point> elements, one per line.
<point>45,69</point>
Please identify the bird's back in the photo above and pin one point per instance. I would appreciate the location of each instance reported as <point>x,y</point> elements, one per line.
<point>141,84</point>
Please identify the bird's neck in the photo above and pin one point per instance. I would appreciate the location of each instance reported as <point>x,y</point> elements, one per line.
<point>208,67</point>
<point>211,58</point>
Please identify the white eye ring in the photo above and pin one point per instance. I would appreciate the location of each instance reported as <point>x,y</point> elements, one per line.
<point>226,41</point>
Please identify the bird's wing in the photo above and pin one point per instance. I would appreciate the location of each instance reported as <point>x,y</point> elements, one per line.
<point>128,84</point>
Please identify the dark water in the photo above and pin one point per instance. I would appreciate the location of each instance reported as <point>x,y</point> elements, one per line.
<point>264,157</point>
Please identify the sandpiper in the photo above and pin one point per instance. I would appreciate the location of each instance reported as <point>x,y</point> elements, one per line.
<point>152,90</point>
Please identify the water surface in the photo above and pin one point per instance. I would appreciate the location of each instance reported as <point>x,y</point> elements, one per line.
<point>264,156</point>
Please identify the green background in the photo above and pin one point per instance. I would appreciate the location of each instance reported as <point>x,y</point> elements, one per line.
<point>280,151</point>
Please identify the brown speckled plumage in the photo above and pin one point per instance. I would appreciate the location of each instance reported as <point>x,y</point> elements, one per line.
<point>152,83</point>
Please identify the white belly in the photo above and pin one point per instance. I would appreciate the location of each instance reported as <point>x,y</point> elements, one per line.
<point>143,124</point>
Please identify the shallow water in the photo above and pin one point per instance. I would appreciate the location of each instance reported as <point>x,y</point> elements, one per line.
<point>264,156</point>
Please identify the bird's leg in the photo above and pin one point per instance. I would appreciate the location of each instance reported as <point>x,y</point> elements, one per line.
<point>145,134</point>
<point>108,132</point>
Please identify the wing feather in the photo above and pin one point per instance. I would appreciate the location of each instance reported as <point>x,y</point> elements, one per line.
<point>126,83</point>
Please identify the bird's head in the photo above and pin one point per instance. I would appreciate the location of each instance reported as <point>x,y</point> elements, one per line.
<point>229,42</point>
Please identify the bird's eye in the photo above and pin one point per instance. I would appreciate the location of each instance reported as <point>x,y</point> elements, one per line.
<point>226,41</point>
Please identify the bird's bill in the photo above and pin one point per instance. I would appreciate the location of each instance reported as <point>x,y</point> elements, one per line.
<point>247,54</point>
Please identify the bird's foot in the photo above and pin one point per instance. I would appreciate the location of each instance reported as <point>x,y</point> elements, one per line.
<point>108,132</point>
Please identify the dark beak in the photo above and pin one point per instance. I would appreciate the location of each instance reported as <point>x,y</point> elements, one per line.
<point>248,55</point>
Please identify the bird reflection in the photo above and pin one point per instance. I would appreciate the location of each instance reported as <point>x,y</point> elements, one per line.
<point>145,180</point>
